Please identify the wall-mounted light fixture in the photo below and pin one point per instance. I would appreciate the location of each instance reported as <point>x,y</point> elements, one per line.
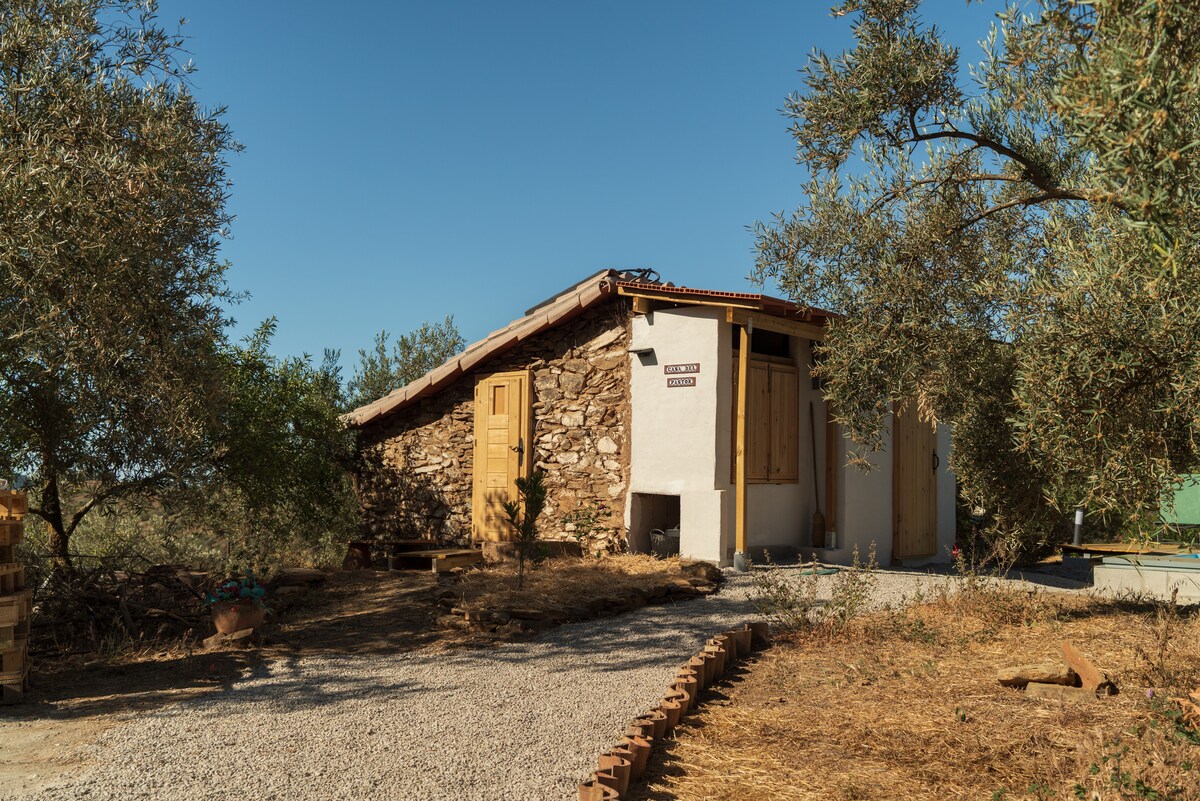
<point>642,351</point>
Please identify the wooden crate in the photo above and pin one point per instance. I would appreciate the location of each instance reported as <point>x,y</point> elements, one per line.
<point>12,660</point>
<point>11,532</point>
<point>14,617</point>
<point>13,504</point>
<point>12,578</point>
<point>14,684</point>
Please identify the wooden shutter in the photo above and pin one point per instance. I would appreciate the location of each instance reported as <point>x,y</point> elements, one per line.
<point>758,422</point>
<point>785,423</point>
<point>772,423</point>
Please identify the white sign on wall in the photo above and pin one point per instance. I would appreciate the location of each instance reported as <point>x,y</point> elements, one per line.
<point>681,369</point>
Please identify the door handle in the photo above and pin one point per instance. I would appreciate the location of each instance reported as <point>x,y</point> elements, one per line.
<point>519,448</point>
<point>937,461</point>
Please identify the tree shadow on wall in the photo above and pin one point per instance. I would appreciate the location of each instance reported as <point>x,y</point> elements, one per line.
<point>398,502</point>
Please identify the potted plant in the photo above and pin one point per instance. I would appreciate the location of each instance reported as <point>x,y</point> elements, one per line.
<point>237,604</point>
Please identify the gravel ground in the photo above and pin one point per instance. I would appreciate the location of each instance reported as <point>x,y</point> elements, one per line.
<point>522,721</point>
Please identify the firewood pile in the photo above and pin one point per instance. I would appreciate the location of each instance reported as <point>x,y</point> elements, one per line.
<point>1074,679</point>
<point>79,612</point>
<point>86,608</point>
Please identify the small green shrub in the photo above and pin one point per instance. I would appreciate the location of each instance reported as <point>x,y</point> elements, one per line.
<point>791,598</point>
<point>523,514</point>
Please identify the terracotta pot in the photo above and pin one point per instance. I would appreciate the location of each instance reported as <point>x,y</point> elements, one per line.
<point>717,654</point>
<point>681,698</point>
<point>734,644</point>
<point>728,647</point>
<point>710,667</point>
<point>232,616</point>
<point>641,728</point>
<point>623,751</point>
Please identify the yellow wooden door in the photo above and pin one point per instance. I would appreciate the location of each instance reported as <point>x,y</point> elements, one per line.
<point>914,484</point>
<point>502,450</point>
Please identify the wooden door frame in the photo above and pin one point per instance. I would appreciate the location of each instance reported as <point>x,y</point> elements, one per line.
<point>480,439</point>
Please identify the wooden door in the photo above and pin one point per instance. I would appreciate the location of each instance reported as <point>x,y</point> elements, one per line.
<point>502,450</point>
<point>914,484</point>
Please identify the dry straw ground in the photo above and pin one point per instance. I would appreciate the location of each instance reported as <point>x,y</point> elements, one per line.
<point>905,705</point>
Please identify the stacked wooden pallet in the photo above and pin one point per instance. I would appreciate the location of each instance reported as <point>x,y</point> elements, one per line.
<point>16,602</point>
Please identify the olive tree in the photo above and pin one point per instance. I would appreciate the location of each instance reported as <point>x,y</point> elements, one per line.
<point>112,291</point>
<point>1012,241</point>
<point>384,369</point>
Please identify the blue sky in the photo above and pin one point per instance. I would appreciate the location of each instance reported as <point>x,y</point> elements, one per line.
<point>405,161</point>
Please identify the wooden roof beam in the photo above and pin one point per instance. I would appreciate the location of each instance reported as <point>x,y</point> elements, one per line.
<point>768,322</point>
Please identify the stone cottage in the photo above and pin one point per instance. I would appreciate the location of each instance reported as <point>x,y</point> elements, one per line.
<point>649,406</point>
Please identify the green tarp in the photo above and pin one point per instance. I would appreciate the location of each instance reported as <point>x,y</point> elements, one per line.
<point>1186,509</point>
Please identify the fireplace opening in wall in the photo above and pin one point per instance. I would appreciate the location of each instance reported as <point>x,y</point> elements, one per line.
<point>651,512</point>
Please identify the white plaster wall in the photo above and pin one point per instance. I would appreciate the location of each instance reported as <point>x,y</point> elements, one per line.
<point>865,505</point>
<point>674,429</point>
<point>681,446</point>
<point>706,525</point>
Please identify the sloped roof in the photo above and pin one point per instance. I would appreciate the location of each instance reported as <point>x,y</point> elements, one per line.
<point>564,306</point>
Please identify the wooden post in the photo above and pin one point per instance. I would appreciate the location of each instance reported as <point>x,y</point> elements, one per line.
<point>833,466</point>
<point>740,454</point>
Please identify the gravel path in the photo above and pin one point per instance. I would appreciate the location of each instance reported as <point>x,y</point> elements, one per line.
<point>522,721</point>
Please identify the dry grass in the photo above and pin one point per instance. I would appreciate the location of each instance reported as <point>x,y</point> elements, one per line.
<point>905,705</point>
<point>565,581</point>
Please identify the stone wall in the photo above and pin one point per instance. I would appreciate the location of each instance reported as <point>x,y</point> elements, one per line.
<point>415,471</point>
